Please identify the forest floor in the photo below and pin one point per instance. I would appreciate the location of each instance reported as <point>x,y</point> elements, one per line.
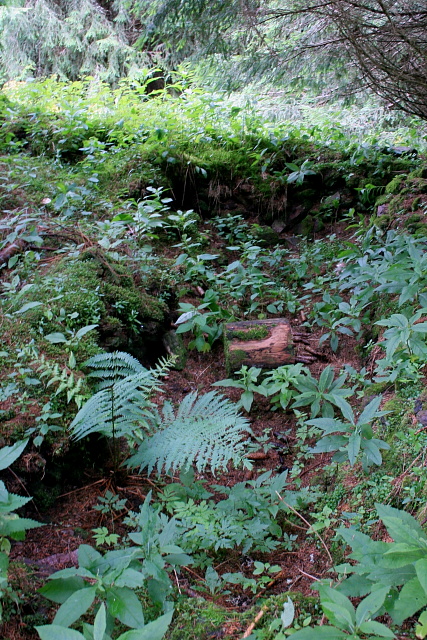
<point>75,231</point>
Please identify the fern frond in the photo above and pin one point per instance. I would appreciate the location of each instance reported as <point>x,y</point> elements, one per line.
<point>112,367</point>
<point>122,404</point>
<point>119,408</point>
<point>205,431</point>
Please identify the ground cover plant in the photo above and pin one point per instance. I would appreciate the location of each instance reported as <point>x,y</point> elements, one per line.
<point>171,497</point>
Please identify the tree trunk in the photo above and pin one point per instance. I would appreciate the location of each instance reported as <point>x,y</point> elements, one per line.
<point>258,343</point>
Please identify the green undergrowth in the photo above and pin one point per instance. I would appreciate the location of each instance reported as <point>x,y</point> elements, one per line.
<point>133,231</point>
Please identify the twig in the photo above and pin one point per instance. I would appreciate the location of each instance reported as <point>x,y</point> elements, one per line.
<point>308,524</point>
<point>24,487</point>
<point>177,582</point>
<point>308,575</point>
<point>270,584</point>
<point>82,488</point>
<point>313,466</point>
<point>253,624</point>
<point>193,573</point>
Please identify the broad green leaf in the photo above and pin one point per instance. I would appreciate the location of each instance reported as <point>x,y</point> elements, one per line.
<point>28,306</point>
<point>319,633</point>
<point>246,399</point>
<point>88,556</point>
<point>369,411</point>
<point>84,330</point>
<point>329,444</point>
<point>288,613</point>
<point>60,590</point>
<point>56,632</point>
<point>100,623</point>
<point>336,606</point>
<point>370,605</point>
<point>421,569</point>
<point>372,452</point>
<point>401,554</point>
<point>401,526</point>
<point>411,599</point>
<point>8,455</point>
<point>421,628</point>
<point>76,605</point>
<point>338,615</point>
<point>123,604</point>
<point>353,448</point>
<point>55,338</point>
<point>374,627</point>
<point>152,631</point>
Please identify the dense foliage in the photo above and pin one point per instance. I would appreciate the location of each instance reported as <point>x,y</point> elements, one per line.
<point>134,228</point>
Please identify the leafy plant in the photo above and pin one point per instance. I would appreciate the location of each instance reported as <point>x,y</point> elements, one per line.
<point>323,394</point>
<point>205,321</point>
<point>399,567</point>
<point>281,384</point>
<point>109,580</point>
<point>122,403</point>
<point>155,630</point>
<point>346,622</point>
<point>248,379</point>
<point>12,526</point>
<point>246,519</point>
<point>355,436</point>
<point>405,333</point>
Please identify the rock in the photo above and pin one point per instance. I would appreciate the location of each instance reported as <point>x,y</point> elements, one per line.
<point>278,225</point>
<point>422,418</point>
<point>174,346</point>
<point>418,405</point>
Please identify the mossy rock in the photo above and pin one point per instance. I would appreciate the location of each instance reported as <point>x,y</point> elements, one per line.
<point>382,199</point>
<point>396,185</point>
<point>94,290</point>
<point>264,235</point>
<point>421,172</point>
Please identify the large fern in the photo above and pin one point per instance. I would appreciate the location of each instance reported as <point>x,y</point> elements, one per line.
<point>112,367</point>
<point>122,404</point>
<point>206,431</point>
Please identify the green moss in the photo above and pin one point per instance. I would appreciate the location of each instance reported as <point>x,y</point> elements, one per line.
<point>196,619</point>
<point>396,185</point>
<point>382,199</point>
<point>265,236</point>
<point>253,333</point>
<point>421,172</point>
<point>233,362</point>
<point>415,203</point>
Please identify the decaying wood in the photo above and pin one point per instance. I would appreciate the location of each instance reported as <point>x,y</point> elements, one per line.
<point>305,359</point>
<point>259,343</point>
<point>12,249</point>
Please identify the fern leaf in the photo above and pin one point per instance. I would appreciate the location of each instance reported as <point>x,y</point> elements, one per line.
<point>206,431</point>
<point>112,367</point>
<point>123,403</point>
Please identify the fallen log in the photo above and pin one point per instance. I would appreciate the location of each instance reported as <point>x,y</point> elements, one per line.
<point>258,343</point>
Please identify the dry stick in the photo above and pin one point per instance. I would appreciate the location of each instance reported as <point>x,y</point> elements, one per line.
<point>193,573</point>
<point>177,582</point>
<point>82,488</point>
<point>270,584</point>
<point>25,488</point>
<point>308,524</point>
<point>253,624</point>
<point>308,575</point>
